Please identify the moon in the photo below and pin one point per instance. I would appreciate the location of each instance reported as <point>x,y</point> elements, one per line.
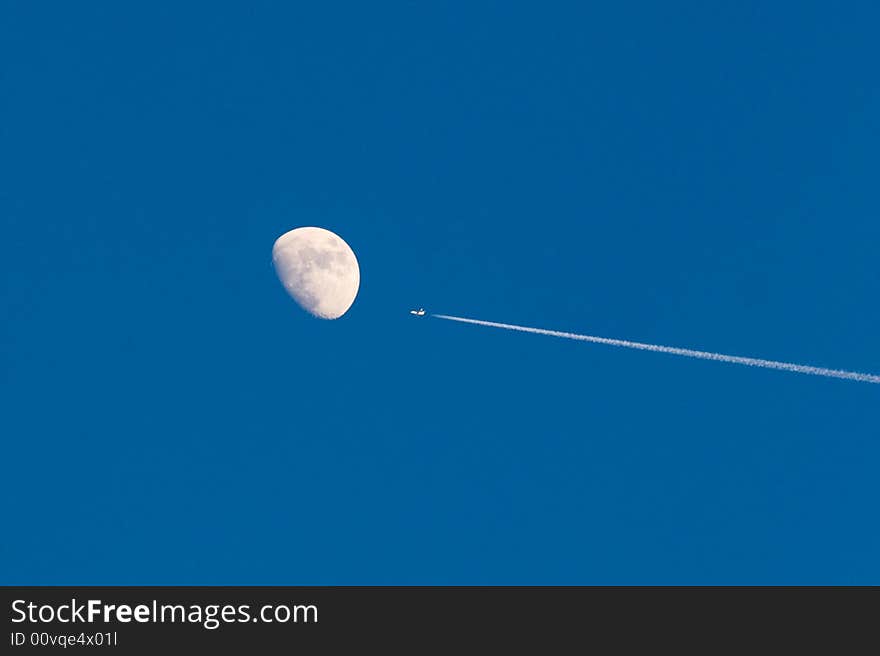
<point>318,269</point>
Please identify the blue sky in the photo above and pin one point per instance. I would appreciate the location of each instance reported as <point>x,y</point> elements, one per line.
<point>695,174</point>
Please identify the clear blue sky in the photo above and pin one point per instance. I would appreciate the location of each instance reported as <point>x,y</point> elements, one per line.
<point>693,174</point>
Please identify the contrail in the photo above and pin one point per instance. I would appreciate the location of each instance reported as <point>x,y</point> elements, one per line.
<point>703,355</point>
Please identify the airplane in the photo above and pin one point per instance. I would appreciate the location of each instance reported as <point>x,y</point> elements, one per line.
<point>419,313</point>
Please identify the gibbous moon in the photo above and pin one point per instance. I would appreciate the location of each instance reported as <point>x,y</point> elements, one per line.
<point>318,269</point>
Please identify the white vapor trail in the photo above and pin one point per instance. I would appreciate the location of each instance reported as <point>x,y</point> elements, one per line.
<point>703,355</point>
